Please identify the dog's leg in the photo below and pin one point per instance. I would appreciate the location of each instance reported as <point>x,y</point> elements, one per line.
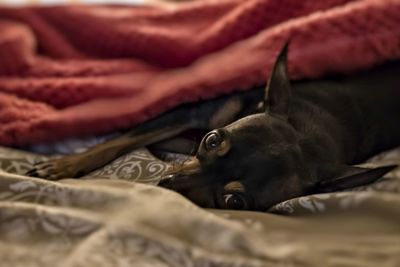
<point>80,164</point>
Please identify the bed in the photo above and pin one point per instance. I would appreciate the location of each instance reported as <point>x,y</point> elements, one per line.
<point>115,216</point>
<point>54,86</point>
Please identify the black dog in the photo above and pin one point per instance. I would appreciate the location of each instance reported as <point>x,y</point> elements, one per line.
<point>293,143</point>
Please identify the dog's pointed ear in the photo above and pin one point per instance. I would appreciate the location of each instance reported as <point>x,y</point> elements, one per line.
<point>343,177</point>
<point>278,91</point>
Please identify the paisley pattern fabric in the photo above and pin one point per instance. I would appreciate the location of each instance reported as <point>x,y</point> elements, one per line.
<point>116,217</point>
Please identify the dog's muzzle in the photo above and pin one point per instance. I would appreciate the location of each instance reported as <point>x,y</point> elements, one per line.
<point>183,176</point>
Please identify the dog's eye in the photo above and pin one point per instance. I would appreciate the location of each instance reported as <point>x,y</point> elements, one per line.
<point>213,140</point>
<point>235,201</point>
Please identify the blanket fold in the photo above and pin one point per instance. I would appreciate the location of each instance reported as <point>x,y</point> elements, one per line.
<point>70,71</point>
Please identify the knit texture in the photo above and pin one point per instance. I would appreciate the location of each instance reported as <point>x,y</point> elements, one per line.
<point>71,71</point>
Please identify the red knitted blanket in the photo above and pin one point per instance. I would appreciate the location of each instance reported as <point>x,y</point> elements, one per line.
<point>79,70</point>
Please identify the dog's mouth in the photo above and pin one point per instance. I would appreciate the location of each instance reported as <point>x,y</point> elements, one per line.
<point>184,176</point>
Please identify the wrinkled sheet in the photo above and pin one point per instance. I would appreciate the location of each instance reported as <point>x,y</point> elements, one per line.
<point>72,71</point>
<point>116,217</point>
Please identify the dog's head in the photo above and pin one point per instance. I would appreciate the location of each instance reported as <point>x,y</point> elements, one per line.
<point>256,162</point>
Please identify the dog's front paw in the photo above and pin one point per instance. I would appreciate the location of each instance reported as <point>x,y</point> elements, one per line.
<point>55,169</point>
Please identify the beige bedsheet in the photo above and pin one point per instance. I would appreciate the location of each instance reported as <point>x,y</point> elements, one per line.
<point>109,219</point>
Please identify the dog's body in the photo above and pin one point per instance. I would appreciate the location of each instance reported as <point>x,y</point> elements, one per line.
<point>298,141</point>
